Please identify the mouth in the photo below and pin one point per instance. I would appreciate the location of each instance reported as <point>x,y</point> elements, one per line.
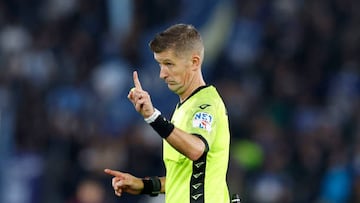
<point>169,82</point>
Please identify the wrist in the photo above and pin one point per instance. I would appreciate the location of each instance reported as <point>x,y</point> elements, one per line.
<point>160,124</point>
<point>152,186</point>
<point>153,116</point>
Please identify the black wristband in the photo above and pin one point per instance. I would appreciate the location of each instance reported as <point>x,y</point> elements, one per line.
<point>152,186</point>
<point>162,126</point>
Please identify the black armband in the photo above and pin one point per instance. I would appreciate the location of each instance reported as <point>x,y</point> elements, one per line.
<point>162,126</point>
<point>152,186</point>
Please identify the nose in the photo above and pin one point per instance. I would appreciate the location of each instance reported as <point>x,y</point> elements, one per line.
<point>163,72</point>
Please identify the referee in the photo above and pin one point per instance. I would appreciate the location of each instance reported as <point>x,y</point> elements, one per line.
<point>196,140</point>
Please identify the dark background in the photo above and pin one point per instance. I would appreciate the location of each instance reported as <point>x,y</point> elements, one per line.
<point>288,71</point>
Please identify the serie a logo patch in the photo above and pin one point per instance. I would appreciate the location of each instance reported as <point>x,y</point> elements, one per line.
<point>202,120</point>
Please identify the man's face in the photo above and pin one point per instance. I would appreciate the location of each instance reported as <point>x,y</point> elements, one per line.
<point>175,70</point>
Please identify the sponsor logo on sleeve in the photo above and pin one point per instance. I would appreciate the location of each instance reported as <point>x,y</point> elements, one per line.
<point>202,120</point>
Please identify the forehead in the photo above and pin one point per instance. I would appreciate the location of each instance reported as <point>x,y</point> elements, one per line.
<point>167,55</point>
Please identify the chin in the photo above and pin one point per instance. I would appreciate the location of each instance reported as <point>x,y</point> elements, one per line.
<point>173,88</point>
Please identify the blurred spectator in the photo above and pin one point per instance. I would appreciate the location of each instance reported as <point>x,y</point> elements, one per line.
<point>336,184</point>
<point>89,191</point>
<point>14,39</point>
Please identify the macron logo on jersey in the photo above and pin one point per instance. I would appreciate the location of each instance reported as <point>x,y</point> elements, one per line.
<point>202,120</point>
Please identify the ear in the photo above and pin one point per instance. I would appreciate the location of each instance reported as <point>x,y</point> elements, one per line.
<point>196,61</point>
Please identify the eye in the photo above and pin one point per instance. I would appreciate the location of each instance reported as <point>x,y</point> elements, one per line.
<point>166,64</point>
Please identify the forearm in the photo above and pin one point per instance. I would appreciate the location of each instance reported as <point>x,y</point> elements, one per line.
<point>187,144</point>
<point>162,180</point>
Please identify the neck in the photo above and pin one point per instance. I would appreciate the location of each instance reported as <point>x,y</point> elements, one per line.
<point>194,84</point>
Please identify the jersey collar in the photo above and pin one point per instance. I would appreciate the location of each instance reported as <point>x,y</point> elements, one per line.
<point>193,93</point>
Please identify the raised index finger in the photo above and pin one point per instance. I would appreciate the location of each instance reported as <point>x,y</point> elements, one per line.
<point>136,81</point>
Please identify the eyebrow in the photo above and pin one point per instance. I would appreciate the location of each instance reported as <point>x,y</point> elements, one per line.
<point>165,61</point>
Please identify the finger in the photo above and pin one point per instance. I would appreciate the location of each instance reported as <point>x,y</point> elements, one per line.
<point>136,81</point>
<point>132,90</point>
<point>114,181</point>
<point>122,183</point>
<point>131,97</point>
<point>139,104</point>
<point>114,173</point>
<point>118,192</point>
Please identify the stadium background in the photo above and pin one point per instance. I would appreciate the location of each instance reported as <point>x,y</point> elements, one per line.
<point>288,71</point>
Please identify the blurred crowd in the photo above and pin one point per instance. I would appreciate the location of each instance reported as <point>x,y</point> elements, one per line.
<point>288,71</point>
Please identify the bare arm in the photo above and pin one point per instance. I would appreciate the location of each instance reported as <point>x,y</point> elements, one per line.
<point>162,180</point>
<point>187,144</point>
